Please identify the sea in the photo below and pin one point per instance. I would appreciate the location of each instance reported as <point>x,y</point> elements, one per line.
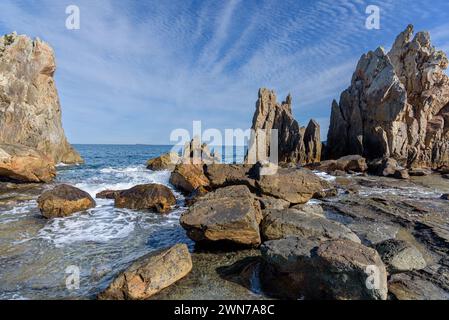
<point>43,259</point>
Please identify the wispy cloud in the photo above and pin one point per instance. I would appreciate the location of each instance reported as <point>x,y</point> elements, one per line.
<point>136,70</point>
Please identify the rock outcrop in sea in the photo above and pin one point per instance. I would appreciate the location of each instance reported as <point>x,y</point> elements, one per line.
<point>396,107</point>
<point>30,112</point>
<point>295,144</point>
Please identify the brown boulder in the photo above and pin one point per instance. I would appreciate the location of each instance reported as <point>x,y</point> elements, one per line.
<point>146,196</point>
<point>306,223</point>
<point>188,177</point>
<point>108,194</point>
<point>351,163</point>
<point>166,161</point>
<point>221,175</point>
<point>23,164</point>
<point>150,274</point>
<point>64,200</point>
<point>293,185</point>
<point>228,214</point>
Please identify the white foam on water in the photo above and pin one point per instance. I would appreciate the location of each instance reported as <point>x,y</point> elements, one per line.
<point>324,175</point>
<point>18,212</point>
<point>105,223</point>
<point>122,178</point>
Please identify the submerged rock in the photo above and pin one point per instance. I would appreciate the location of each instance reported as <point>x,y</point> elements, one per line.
<point>63,200</point>
<point>150,274</point>
<point>400,256</point>
<point>30,112</point>
<point>229,214</point>
<point>146,196</point>
<point>188,177</point>
<point>23,164</point>
<point>396,107</point>
<point>167,161</point>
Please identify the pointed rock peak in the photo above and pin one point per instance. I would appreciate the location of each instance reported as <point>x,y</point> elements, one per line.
<point>288,100</point>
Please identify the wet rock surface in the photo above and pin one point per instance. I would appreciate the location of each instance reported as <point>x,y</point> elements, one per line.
<point>63,200</point>
<point>150,274</point>
<point>229,214</point>
<point>147,196</point>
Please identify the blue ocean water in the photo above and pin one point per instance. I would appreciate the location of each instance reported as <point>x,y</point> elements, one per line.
<point>35,252</point>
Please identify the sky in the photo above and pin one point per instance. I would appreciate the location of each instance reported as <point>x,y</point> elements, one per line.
<point>136,70</point>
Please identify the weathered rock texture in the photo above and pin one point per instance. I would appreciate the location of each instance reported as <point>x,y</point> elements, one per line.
<point>396,107</point>
<point>30,113</point>
<point>167,161</point>
<point>146,196</point>
<point>228,214</point>
<point>24,164</point>
<point>295,144</point>
<point>150,274</point>
<point>64,200</point>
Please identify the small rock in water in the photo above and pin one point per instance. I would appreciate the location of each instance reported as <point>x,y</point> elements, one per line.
<point>150,274</point>
<point>445,196</point>
<point>400,256</point>
<point>108,194</point>
<point>166,161</point>
<point>146,196</point>
<point>64,200</point>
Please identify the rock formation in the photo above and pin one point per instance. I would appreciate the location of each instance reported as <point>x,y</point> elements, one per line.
<point>150,274</point>
<point>228,214</point>
<point>22,164</point>
<point>146,196</point>
<point>30,113</point>
<point>64,200</point>
<point>295,144</point>
<point>396,107</point>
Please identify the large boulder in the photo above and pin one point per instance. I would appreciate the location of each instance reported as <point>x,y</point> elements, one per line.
<point>23,164</point>
<point>146,196</point>
<point>167,161</point>
<point>30,112</point>
<point>188,177</point>
<point>400,256</point>
<point>221,175</point>
<point>336,269</point>
<point>229,214</point>
<point>278,224</point>
<point>352,271</point>
<point>396,107</point>
<point>63,200</point>
<point>150,274</point>
<point>291,184</point>
<point>295,144</point>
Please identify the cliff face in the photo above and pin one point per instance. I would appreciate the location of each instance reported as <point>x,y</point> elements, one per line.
<point>30,113</point>
<point>295,144</point>
<point>397,106</point>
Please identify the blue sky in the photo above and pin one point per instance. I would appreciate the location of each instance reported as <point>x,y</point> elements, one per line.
<point>136,70</point>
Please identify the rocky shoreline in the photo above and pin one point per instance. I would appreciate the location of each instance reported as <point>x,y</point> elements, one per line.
<point>340,220</point>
